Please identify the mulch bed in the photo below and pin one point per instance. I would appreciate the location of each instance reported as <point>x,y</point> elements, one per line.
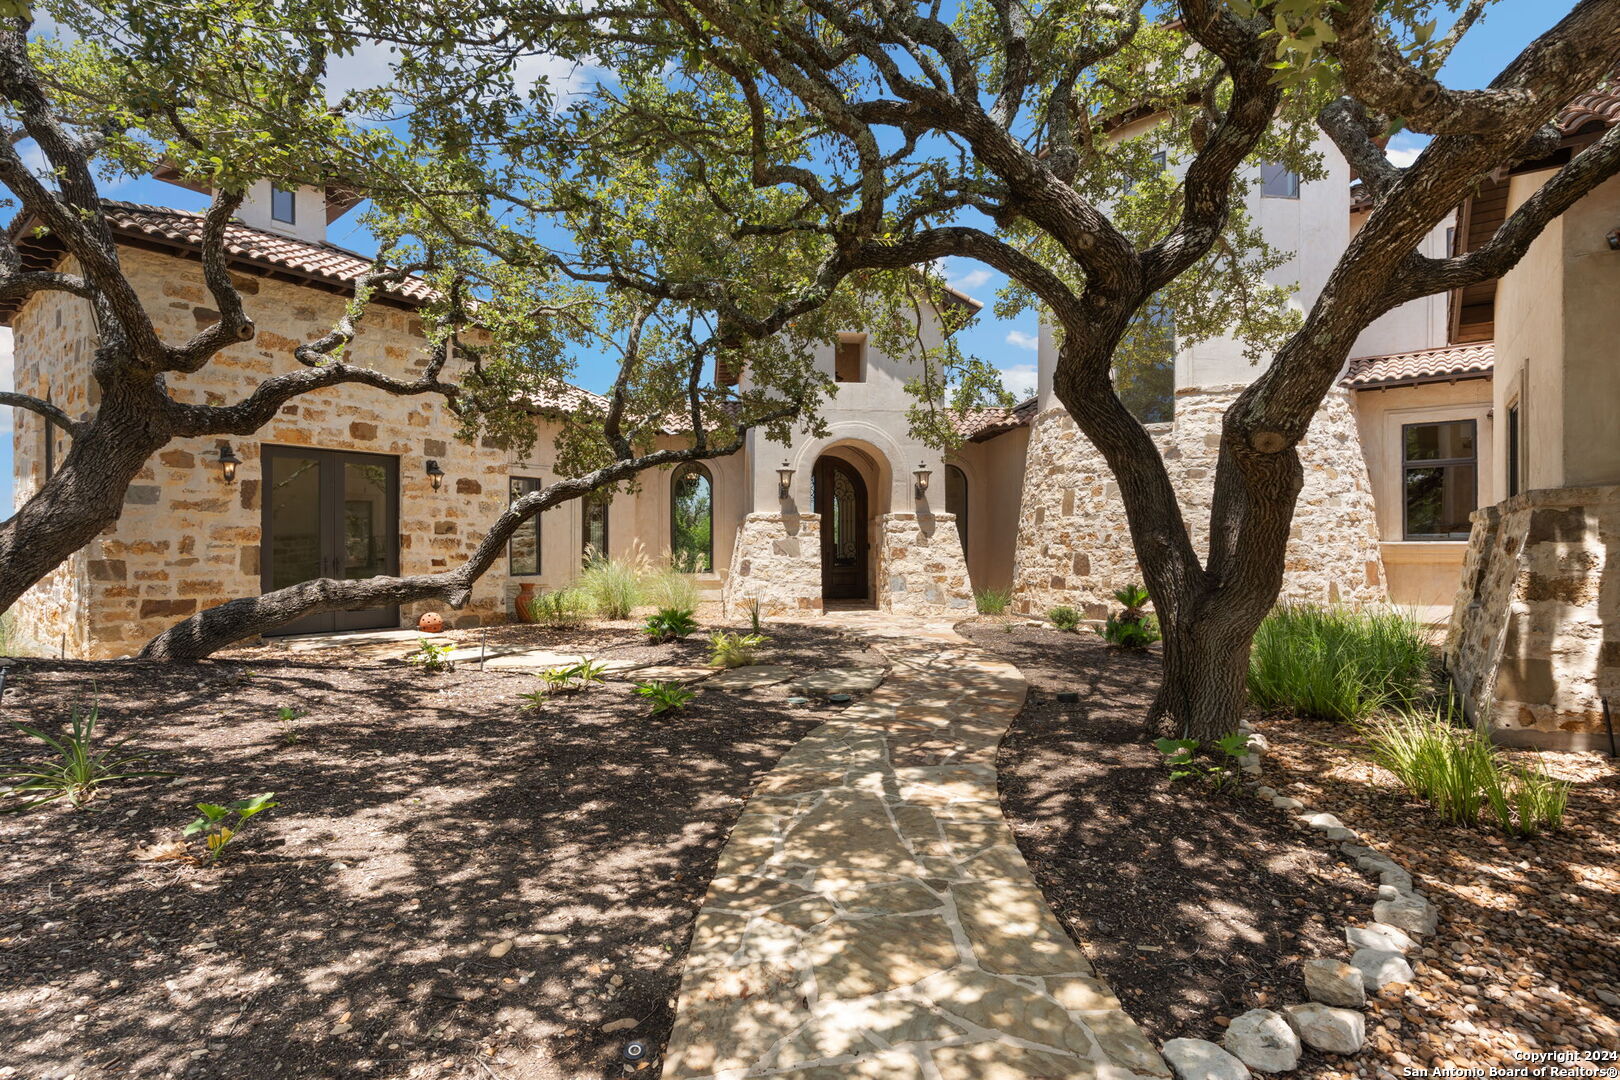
<point>1528,943</point>
<point>451,887</point>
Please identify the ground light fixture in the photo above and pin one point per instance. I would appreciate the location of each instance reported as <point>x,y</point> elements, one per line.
<point>784,479</point>
<point>228,461</point>
<point>435,474</point>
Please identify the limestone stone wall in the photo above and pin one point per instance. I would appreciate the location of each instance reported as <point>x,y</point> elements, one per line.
<point>187,538</point>
<point>920,568</point>
<point>1534,643</point>
<point>1074,546</point>
<point>777,562</point>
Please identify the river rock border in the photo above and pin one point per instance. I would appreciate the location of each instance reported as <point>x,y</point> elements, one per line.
<point>1330,1020</point>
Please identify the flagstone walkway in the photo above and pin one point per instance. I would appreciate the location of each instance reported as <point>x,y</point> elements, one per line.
<point>872,917</point>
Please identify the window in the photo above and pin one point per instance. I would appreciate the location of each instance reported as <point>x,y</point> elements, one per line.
<point>849,363</point>
<point>523,550</point>
<point>1277,182</point>
<point>595,527</point>
<point>1439,473</point>
<point>1513,451</point>
<point>282,204</point>
<point>691,519</point>
<point>956,502</point>
<point>1145,366</point>
<point>50,443</point>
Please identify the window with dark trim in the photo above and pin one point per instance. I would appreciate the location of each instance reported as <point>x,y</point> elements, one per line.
<point>1278,181</point>
<point>1439,478</point>
<point>523,550</point>
<point>1513,451</point>
<point>956,501</point>
<point>594,543</point>
<point>691,519</point>
<point>849,363</point>
<point>283,205</point>
<point>50,444</point>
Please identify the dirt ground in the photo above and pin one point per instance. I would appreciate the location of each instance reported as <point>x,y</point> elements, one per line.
<point>450,887</point>
<point>1196,907</point>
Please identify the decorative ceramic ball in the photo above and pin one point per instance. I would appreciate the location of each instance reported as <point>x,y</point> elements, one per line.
<point>430,623</point>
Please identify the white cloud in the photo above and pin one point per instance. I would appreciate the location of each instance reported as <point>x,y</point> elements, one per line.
<point>973,279</point>
<point>1022,340</point>
<point>1019,380</point>
<point>1405,148</point>
<point>962,275</point>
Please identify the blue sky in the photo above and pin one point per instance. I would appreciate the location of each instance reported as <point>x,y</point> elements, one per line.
<point>1008,344</point>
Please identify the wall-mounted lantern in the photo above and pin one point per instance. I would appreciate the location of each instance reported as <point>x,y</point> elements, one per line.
<point>228,461</point>
<point>784,479</point>
<point>435,474</point>
<point>921,476</point>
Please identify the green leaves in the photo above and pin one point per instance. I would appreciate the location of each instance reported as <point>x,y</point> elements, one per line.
<point>76,772</point>
<point>220,825</point>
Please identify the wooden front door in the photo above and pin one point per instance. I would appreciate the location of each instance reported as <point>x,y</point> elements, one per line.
<point>329,514</point>
<point>840,499</point>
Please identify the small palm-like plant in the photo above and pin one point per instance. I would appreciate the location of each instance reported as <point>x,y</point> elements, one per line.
<point>729,650</point>
<point>77,770</point>
<point>670,624</point>
<point>1131,628</point>
<point>665,696</point>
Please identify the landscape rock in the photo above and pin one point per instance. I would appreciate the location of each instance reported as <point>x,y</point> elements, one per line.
<point>1197,1059</point>
<point>1381,936</point>
<point>1283,802</point>
<point>1323,821</point>
<point>1323,1027</point>
<point>1262,1040</point>
<point>1380,968</point>
<point>859,680</point>
<point>1263,792</point>
<point>1408,911</point>
<point>1333,982</point>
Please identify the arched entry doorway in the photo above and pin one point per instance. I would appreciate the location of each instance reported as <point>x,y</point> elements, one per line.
<point>839,496</point>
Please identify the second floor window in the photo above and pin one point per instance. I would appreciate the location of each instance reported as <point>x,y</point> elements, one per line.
<point>1439,479</point>
<point>1278,182</point>
<point>849,363</point>
<point>283,204</point>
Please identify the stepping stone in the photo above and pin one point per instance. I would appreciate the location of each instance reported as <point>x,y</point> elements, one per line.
<point>838,681</point>
<point>675,673</point>
<point>854,958</point>
<point>544,659</point>
<point>750,677</point>
<point>1262,1040</point>
<point>1196,1059</point>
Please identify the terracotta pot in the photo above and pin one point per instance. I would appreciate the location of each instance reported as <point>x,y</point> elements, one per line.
<point>524,602</point>
<point>430,623</point>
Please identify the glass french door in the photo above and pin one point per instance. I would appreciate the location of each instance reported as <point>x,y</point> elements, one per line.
<point>839,496</point>
<point>329,514</point>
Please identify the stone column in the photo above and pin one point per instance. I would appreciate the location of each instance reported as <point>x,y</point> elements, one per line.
<point>776,561</point>
<point>920,568</point>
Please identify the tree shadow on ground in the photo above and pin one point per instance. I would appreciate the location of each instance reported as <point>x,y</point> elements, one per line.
<point>450,887</point>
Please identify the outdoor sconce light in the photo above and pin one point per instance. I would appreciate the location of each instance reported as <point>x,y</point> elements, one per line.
<point>922,476</point>
<point>435,474</point>
<point>784,479</point>
<point>228,461</point>
<point>1614,240</point>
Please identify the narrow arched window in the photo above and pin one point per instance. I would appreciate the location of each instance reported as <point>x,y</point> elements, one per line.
<point>691,519</point>
<point>956,501</point>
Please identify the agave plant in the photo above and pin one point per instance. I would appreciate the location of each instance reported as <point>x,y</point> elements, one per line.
<point>77,770</point>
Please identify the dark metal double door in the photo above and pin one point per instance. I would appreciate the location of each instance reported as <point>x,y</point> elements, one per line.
<point>329,514</point>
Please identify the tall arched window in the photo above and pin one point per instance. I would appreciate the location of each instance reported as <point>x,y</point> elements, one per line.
<point>691,519</point>
<point>956,501</point>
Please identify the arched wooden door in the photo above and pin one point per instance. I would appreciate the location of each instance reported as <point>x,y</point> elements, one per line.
<point>840,499</point>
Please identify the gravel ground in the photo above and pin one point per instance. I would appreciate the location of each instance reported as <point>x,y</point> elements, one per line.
<point>1527,955</point>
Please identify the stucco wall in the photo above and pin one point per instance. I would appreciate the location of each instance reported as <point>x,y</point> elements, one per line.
<point>1074,545</point>
<point>1529,368</point>
<point>1534,642</point>
<point>995,477</point>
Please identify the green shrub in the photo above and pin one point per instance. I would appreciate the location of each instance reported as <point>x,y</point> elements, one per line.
<point>666,587</point>
<point>753,617</point>
<point>1458,772</point>
<point>992,601</point>
<point>77,770</point>
<point>611,586</point>
<point>220,825</point>
<point>1337,663</point>
<point>1181,755</point>
<point>432,656</point>
<point>670,624</point>
<point>665,696</point>
<point>562,608</point>
<point>729,650</point>
<point>1131,628</point>
<point>288,715</point>
<point>1064,618</point>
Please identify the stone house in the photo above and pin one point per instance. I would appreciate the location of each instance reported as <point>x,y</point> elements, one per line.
<point>1439,473</point>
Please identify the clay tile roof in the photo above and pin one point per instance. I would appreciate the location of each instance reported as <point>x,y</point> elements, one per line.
<point>1600,106</point>
<point>1445,364</point>
<point>977,425</point>
<point>255,247</point>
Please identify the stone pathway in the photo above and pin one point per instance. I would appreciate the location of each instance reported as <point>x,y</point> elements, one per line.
<point>872,916</point>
